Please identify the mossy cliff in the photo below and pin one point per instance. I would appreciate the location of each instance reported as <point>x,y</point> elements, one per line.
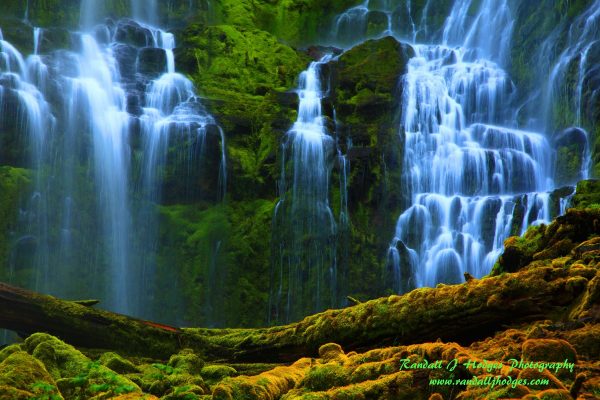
<point>247,75</point>
<point>296,22</point>
<point>543,32</point>
<point>366,87</point>
<point>14,184</point>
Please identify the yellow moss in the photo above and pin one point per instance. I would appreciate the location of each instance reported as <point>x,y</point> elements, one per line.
<point>23,372</point>
<point>8,350</point>
<point>10,393</point>
<point>187,361</point>
<point>534,374</point>
<point>398,385</point>
<point>117,363</point>
<point>268,385</point>
<point>554,394</point>
<point>548,350</point>
<point>332,352</point>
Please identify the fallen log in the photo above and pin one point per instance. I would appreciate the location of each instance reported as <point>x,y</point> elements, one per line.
<point>462,313</point>
<point>27,312</point>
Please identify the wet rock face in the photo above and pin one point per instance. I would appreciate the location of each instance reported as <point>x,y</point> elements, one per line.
<point>365,92</point>
<point>130,32</point>
<point>571,145</point>
<point>152,61</point>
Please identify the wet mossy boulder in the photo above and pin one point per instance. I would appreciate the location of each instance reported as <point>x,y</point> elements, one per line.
<point>548,350</point>
<point>17,32</point>
<point>587,194</point>
<point>75,374</point>
<point>246,77</point>
<point>8,350</point>
<point>550,243</point>
<point>571,145</point>
<point>152,61</point>
<point>23,373</point>
<point>130,32</point>
<point>164,380</point>
<point>376,65</point>
<point>215,373</point>
<point>187,361</point>
<point>117,363</point>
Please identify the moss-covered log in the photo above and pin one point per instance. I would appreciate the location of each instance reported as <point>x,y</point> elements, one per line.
<point>461,312</point>
<point>561,283</point>
<point>28,312</point>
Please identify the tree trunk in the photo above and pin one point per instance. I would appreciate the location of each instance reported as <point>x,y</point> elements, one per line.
<point>463,313</point>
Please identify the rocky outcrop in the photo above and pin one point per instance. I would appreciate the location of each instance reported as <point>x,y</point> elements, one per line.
<point>366,93</point>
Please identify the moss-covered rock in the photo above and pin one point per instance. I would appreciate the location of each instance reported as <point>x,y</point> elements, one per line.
<point>8,350</point>
<point>186,361</point>
<point>215,373</point>
<point>117,363</point>
<point>366,89</point>
<point>76,376</point>
<point>268,385</point>
<point>21,371</point>
<point>548,350</point>
<point>587,194</point>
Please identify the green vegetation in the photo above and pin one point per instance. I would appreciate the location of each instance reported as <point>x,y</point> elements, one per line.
<point>14,183</point>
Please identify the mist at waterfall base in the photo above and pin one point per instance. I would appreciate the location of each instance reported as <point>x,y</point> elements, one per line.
<point>107,122</point>
<point>110,129</point>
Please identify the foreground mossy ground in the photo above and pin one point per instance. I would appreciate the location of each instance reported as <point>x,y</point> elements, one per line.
<point>564,254</point>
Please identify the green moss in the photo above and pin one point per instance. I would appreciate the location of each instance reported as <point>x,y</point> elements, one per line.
<point>519,251</point>
<point>222,253</point>
<point>23,372</point>
<point>76,376</point>
<point>227,58</point>
<point>186,361</point>
<point>13,184</point>
<point>293,21</point>
<point>8,350</point>
<point>215,373</point>
<point>326,376</point>
<point>587,194</point>
<point>568,163</point>
<point>117,363</point>
<point>366,85</point>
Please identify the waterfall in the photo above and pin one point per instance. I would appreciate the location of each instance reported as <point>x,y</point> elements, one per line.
<point>563,100</point>
<point>304,273</point>
<point>145,10</point>
<point>93,11</point>
<point>582,38</point>
<point>405,20</point>
<point>104,124</point>
<point>467,170</point>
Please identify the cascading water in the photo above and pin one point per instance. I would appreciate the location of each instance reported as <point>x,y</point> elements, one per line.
<point>466,172</point>
<point>304,275</point>
<point>563,103</point>
<point>102,122</point>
